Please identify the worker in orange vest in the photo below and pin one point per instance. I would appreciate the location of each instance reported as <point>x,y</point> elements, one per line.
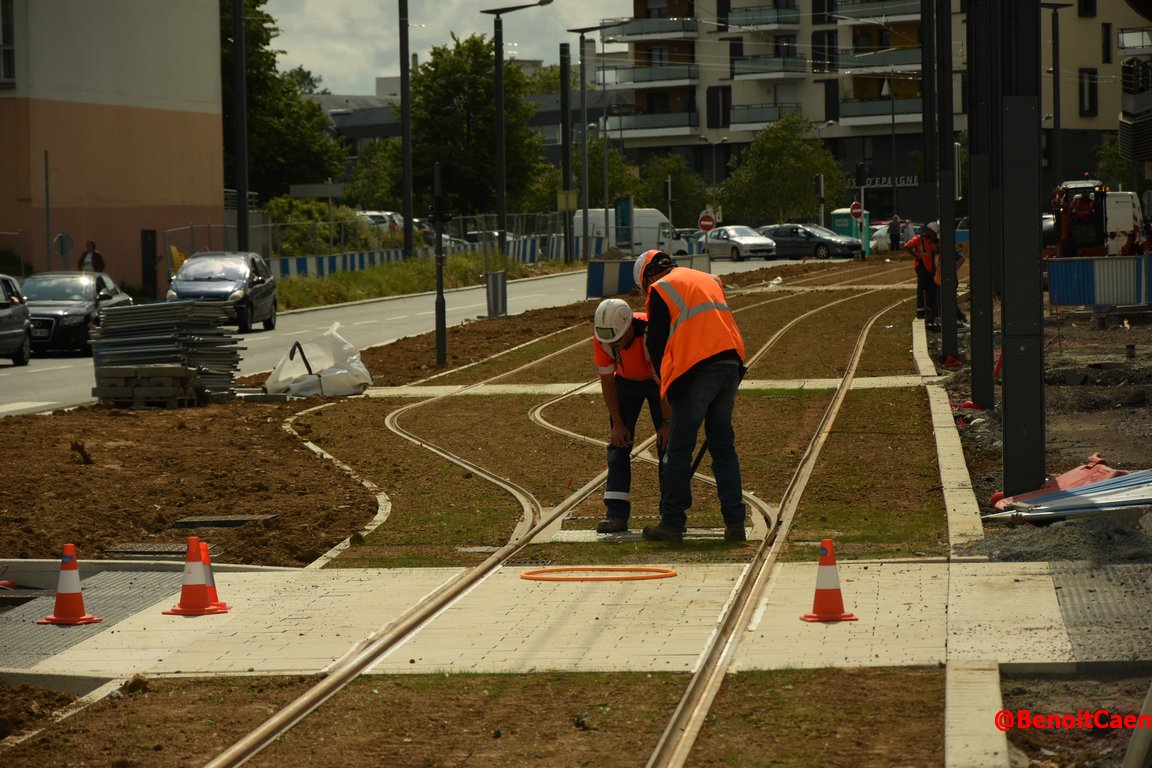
<point>925,251</point>
<point>627,382</point>
<point>698,352</point>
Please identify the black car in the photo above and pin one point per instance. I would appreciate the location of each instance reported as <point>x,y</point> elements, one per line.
<point>65,306</point>
<point>15,325</point>
<point>238,278</point>
<point>803,240</point>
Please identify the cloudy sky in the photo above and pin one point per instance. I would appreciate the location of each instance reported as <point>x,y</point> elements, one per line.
<point>349,43</point>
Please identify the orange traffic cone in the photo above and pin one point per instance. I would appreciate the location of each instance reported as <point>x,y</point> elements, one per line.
<point>213,598</point>
<point>194,598</point>
<point>69,600</point>
<point>828,605</point>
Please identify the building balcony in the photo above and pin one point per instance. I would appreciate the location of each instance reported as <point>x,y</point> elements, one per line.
<point>1134,42</point>
<point>766,18</point>
<point>887,60</point>
<point>638,30</point>
<point>755,117</point>
<point>660,124</point>
<point>669,75</point>
<point>880,111</point>
<point>770,68</point>
<point>877,11</point>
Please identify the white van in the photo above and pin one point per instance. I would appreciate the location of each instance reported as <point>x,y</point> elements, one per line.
<point>650,229</point>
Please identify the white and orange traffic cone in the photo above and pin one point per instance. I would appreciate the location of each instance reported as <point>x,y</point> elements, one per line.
<point>213,598</point>
<point>69,600</point>
<point>828,605</point>
<point>194,597</point>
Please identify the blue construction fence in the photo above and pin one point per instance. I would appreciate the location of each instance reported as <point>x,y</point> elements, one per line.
<point>1100,281</point>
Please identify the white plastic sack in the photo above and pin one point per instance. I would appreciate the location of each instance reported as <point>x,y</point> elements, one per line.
<point>326,365</point>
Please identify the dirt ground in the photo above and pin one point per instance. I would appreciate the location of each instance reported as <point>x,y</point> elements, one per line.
<point>103,478</point>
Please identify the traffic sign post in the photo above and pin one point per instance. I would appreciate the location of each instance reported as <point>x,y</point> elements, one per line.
<point>856,210</point>
<point>706,221</point>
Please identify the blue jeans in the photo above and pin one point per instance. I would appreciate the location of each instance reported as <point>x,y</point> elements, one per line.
<point>707,399</point>
<point>631,395</point>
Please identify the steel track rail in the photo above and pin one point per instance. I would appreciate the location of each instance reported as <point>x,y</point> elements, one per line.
<point>675,744</point>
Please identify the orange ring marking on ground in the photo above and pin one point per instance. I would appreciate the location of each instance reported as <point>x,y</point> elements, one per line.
<point>619,573</point>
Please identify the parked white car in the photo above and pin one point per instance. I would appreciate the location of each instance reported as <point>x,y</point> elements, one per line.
<point>738,243</point>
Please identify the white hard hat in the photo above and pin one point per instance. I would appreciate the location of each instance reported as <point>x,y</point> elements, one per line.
<point>934,226</point>
<point>613,318</point>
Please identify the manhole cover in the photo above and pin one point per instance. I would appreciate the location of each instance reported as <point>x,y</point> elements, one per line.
<point>152,550</point>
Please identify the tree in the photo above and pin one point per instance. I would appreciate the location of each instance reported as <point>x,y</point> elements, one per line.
<point>1115,170</point>
<point>289,141</point>
<point>376,182</point>
<point>689,194</point>
<point>454,123</point>
<point>772,179</point>
<point>547,80</point>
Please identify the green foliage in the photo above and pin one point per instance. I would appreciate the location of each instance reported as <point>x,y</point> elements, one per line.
<point>302,228</point>
<point>547,80</point>
<point>772,179</point>
<point>540,197</point>
<point>689,195</point>
<point>376,183</point>
<point>453,122</point>
<point>622,179</point>
<point>1115,170</point>
<point>395,279</point>
<point>288,137</point>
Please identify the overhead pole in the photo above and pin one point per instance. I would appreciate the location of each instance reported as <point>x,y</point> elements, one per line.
<point>1022,308</point>
<point>240,122</point>
<point>946,181</point>
<point>406,129</point>
<point>981,40</point>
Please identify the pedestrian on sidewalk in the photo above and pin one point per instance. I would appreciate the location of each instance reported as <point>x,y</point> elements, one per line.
<point>627,382</point>
<point>925,251</point>
<point>698,353</point>
<point>91,260</point>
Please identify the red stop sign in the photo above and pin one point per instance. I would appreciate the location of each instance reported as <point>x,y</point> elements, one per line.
<point>856,210</point>
<point>706,222</point>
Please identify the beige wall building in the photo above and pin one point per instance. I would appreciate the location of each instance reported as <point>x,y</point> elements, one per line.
<point>110,128</point>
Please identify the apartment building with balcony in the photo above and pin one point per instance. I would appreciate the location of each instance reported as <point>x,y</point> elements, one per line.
<point>708,75</point>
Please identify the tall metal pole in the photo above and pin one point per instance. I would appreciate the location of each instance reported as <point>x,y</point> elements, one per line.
<point>501,202</point>
<point>604,137</point>
<point>438,216</point>
<point>1057,144</point>
<point>240,116</point>
<point>406,128</point>
<point>892,105</point>
<point>584,245</point>
<point>566,145</point>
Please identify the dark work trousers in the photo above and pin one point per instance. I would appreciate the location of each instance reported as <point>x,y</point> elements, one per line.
<point>925,294</point>
<point>631,395</point>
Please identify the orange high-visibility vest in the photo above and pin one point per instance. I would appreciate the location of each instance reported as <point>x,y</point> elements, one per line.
<point>632,362</point>
<point>701,323</point>
<point>923,251</point>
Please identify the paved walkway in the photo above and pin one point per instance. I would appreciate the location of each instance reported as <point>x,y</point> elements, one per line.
<point>969,615</point>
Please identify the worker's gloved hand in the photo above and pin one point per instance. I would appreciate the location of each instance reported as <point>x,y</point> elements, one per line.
<point>662,436</point>
<point>621,437</point>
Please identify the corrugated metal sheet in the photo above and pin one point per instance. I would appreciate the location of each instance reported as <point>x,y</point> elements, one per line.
<point>1101,281</point>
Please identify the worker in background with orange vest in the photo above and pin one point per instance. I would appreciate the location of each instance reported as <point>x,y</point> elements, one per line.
<point>698,353</point>
<point>627,382</point>
<point>925,250</point>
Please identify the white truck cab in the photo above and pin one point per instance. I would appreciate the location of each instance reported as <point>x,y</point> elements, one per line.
<point>650,229</point>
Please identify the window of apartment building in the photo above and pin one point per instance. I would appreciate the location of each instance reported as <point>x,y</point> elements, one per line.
<point>784,46</point>
<point>822,11</point>
<point>1088,8</point>
<point>735,51</point>
<point>657,9</point>
<point>1106,43</point>
<point>719,106</point>
<point>7,44</point>
<point>658,56</point>
<point>1089,95</point>
<point>824,51</point>
<point>723,8</point>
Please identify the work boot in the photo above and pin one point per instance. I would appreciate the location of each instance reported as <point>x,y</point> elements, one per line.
<point>659,532</point>
<point>612,525</point>
<point>735,533</point>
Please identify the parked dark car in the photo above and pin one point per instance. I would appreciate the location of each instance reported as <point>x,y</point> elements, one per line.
<point>65,306</point>
<point>802,240</point>
<point>15,324</point>
<point>241,280</point>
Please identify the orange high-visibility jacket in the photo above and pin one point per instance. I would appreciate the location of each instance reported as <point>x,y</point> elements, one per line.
<point>701,323</point>
<point>923,251</point>
<point>632,362</point>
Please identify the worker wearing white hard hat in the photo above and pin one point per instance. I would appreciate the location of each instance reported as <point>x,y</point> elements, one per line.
<point>627,382</point>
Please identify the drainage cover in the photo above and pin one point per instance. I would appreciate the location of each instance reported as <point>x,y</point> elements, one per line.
<point>151,550</point>
<point>221,521</point>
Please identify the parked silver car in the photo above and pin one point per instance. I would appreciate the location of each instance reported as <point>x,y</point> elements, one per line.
<point>738,243</point>
<point>15,325</point>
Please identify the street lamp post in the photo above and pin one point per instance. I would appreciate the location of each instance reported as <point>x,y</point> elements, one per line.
<point>1057,149</point>
<point>501,181</point>
<point>892,106</point>
<point>723,140</point>
<point>585,245</point>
